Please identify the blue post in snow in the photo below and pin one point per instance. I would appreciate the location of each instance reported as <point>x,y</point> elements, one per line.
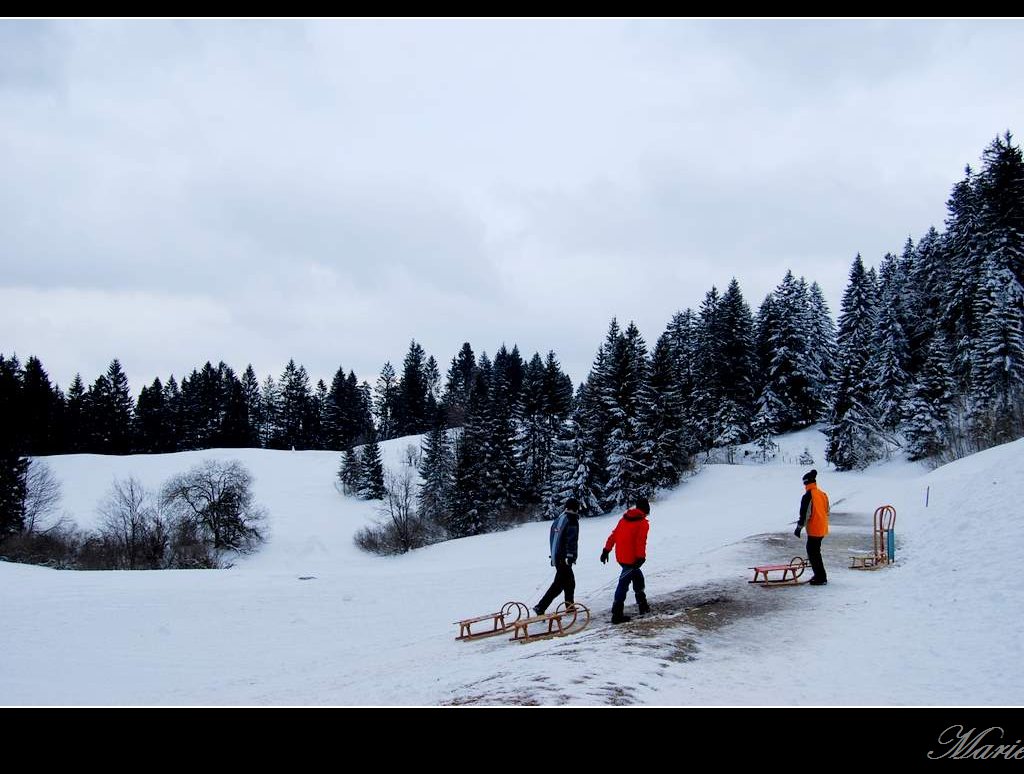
<point>891,544</point>
<point>927,492</point>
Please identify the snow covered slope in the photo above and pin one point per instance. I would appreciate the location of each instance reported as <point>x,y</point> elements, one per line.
<point>311,620</point>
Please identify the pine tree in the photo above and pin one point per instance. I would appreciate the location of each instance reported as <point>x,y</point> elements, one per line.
<point>253,404</point>
<point>707,354</point>
<point>39,407</point>
<point>118,411</point>
<point>682,336</point>
<point>534,440</point>
<point>734,329</point>
<point>432,377</point>
<point>372,484</point>
<point>627,401</point>
<point>295,402</point>
<point>891,352</point>
<point>1000,352</point>
<point>999,301</point>
<point>151,420</point>
<point>173,413</point>
<point>202,400</point>
<point>437,470</point>
<point>855,435</point>
<point>964,254</point>
<point>97,413</point>
<point>74,421</point>
<point>593,413</point>
<point>13,466</point>
<point>270,426</point>
<point>385,398</point>
<point>573,474</point>
<point>471,514</point>
<point>928,404</point>
<point>663,417</point>
<point>795,372</point>
<point>770,413</point>
<point>347,418</point>
<point>234,431</point>
<point>317,417</point>
<point>410,403</point>
<point>13,470</point>
<point>459,385</point>
<point>351,472</point>
<point>823,352</point>
<point>502,474</point>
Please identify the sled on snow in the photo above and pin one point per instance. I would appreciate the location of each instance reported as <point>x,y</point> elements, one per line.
<point>501,621</point>
<point>567,618</point>
<point>883,541</point>
<point>780,574</point>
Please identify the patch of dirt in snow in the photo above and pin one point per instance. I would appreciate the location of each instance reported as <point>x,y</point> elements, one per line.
<point>673,631</point>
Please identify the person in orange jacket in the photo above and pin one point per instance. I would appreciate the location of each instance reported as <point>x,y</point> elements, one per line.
<point>630,540</point>
<point>814,513</point>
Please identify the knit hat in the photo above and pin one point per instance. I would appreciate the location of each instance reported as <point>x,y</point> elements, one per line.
<point>643,505</point>
<point>811,477</point>
<point>572,505</point>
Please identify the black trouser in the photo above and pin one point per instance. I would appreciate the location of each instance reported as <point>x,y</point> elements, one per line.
<point>564,581</point>
<point>630,574</point>
<point>814,554</point>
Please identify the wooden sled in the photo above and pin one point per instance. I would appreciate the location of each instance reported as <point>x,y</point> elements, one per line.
<point>883,542</point>
<point>501,621</point>
<point>766,575</point>
<point>566,619</point>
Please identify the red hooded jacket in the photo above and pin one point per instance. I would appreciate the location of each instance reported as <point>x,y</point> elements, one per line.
<point>629,537</point>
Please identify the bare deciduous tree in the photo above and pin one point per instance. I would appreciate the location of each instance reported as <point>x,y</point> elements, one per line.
<point>412,456</point>
<point>400,528</point>
<point>42,495</point>
<point>215,498</point>
<point>129,523</point>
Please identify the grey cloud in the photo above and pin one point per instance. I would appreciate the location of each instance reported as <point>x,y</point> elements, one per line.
<point>328,190</point>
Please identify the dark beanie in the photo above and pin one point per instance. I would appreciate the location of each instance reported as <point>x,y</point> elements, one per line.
<point>572,505</point>
<point>811,477</point>
<point>643,505</point>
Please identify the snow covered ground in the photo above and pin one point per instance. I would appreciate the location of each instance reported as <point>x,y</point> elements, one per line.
<point>311,620</point>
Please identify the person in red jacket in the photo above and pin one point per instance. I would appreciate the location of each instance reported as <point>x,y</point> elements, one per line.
<point>630,540</point>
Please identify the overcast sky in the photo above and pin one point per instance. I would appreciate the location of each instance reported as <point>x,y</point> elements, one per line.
<point>178,191</point>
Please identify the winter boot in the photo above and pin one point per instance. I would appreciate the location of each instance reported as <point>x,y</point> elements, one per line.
<point>569,604</point>
<point>617,615</point>
<point>538,610</point>
<point>641,604</point>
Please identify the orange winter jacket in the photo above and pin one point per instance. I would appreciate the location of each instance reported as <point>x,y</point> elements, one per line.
<point>814,511</point>
<point>629,537</point>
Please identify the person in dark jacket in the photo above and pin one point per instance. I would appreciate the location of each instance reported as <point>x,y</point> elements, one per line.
<point>564,544</point>
<point>630,540</point>
<point>814,513</point>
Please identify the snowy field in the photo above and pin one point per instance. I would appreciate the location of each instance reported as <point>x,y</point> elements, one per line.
<point>311,620</point>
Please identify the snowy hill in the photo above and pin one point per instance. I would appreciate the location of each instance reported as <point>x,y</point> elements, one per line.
<point>310,620</point>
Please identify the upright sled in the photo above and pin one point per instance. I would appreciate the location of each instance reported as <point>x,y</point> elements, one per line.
<point>883,541</point>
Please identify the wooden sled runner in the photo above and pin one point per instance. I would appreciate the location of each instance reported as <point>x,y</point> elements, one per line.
<point>501,621</point>
<point>566,619</point>
<point>766,575</point>
<point>883,541</point>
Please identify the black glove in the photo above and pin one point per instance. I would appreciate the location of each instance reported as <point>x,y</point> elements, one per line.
<point>604,556</point>
<point>569,560</point>
<point>639,562</point>
<point>797,531</point>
